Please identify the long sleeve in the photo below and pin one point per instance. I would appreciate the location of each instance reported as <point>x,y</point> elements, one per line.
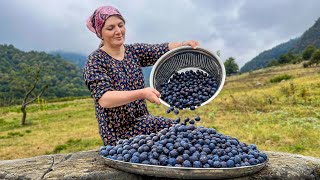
<point>148,54</point>
<point>97,79</point>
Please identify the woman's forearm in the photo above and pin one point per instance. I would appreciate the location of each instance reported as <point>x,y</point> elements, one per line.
<point>173,45</point>
<point>112,99</point>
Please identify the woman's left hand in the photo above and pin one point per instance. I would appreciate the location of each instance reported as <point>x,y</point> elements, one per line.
<point>192,43</point>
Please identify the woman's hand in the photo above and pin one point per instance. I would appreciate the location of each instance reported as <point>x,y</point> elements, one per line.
<point>192,43</point>
<point>151,95</point>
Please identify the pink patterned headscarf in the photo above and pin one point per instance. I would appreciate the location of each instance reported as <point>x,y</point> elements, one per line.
<point>96,21</point>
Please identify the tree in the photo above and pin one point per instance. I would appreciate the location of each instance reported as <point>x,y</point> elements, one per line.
<point>308,51</point>
<point>231,66</point>
<point>284,59</point>
<point>32,84</point>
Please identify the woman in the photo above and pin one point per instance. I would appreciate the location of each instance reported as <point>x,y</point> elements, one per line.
<point>114,77</point>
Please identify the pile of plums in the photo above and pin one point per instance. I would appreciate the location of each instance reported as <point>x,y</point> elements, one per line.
<point>185,146</point>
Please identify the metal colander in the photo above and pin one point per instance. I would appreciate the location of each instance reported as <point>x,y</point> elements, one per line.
<point>183,59</point>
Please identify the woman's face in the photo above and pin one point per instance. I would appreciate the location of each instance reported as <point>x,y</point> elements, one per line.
<point>113,31</point>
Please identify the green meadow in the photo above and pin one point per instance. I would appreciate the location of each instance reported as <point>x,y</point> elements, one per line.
<point>278,109</point>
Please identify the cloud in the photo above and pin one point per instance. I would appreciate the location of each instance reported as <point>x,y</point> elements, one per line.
<point>239,29</point>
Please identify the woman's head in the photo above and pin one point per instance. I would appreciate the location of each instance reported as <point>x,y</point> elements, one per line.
<point>113,32</point>
<point>108,24</point>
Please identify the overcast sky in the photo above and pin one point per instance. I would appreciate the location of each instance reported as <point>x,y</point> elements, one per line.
<point>240,29</point>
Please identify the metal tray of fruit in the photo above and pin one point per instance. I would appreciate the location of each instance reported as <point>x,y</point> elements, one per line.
<point>184,172</point>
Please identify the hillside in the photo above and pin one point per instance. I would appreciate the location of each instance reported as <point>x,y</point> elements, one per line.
<point>264,58</point>
<point>17,69</point>
<point>297,45</point>
<point>146,74</point>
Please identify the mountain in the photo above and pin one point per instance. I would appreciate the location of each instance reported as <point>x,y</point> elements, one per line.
<point>80,61</point>
<point>297,45</point>
<point>76,58</point>
<point>264,58</point>
<point>18,69</point>
<point>311,36</point>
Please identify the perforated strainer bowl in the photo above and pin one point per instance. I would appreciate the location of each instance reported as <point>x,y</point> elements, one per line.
<point>183,59</point>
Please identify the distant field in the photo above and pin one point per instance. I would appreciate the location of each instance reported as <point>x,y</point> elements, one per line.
<point>279,116</point>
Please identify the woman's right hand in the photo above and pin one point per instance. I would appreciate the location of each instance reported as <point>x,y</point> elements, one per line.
<point>151,95</point>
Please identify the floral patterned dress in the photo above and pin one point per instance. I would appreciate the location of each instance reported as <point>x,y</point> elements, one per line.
<point>102,73</point>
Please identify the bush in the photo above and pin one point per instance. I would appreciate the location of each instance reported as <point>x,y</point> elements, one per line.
<point>315,59</point>
<point>280,78</point>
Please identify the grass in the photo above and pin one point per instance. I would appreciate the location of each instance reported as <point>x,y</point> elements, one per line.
<point>283,116</point>
<point>64,127</point>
